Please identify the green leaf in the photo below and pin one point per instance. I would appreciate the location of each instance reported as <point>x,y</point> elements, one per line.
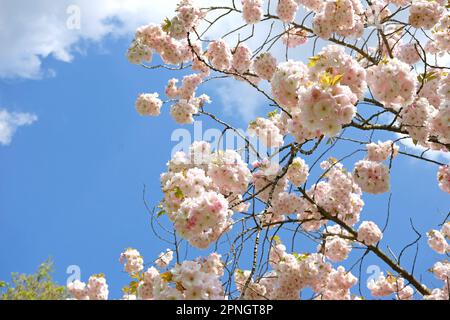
<point>272,114</point>
<point>276,239</point>
<point>178,193</point>
<point>166,25</point>
<point>313,61</point>
<point>161,213</point>
<point>167,276</point>
<point>300,257</point>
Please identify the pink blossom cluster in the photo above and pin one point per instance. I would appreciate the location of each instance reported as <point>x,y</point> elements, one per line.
<point>295,272</point>
<point>399,3</point>
<point>191,280</point>
<point>335,61</point>
<point>283,204</point>
<point>264,180</point>
<point>407,52</point>
<point>287,79</point>
<point>424,14</point>
<point>376,13</point>
<point>281,120</point>
<point>338,285</point>
<point>265,65</point>
<point>300,132</point>
<point>183,111</point>
<point>195,187</point>
<point>190,84</point>
<point>392,83</point>
<point>387,285</point>
<point>443,177</point>
<point>338,195</point>
<point>252,11</point>
<point>95,289</point>
<point>441,270</point>
<point>437,241</point>
<point>200,279</point>
<point>372,176</point>
<point>298,172</point>
<point>229,172</point>
<point>187,104</point>
<point>369,233</point>
<point>133,261</point>
<point>430,88</point>
<point>381,151</point>
<point>201,220</point>
<point>189,14</point>
<point>440,124</point>
<point>337,245</point>
<point>164,259</point>
<point>313,5</point>
<point>327,108</point>
<point>188,17</point>
<point>266,131</point>
<point>441,37</point>
<point>292,273</point>
<point>254,290</point>
<point>439,294</point>
<point>148,104</point>
<point>416,118</point>
<point>341,16</point>
<point>219,55</point>
<point>294,37</point>
<point>444,87</point>
<point>171,50</point>
<point>139,52</point>
<point>150,278</point>
<point>191,183</point>
<point>445,230</point>
<point>286,10</point>
<point>242,58</point>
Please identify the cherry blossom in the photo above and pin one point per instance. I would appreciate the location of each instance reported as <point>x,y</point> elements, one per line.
<point>252,11</point>
<point>286,80</point>
<point>372,176</point>
<point>286,10</point>
<point>392,83</point>
<point>298,172</point>
<point>266,131</point>
<point>95,289</point>
<point>424,14</point>
<point>265,65</point>
<point>133,261</point>
<point>149,104</point>
<point>369,233</point>
<point>437,242</point>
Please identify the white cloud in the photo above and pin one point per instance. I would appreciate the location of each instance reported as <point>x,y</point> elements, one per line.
<point>240,99</point>
<point>430,154</point>
<point>10,122</point>
<point>35,30</point>
<point>31,31</point>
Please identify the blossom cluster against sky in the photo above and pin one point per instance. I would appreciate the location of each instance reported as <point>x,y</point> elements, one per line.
<point>75,156</point>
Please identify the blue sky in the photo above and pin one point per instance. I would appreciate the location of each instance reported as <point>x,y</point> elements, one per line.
<point>71,182</point>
